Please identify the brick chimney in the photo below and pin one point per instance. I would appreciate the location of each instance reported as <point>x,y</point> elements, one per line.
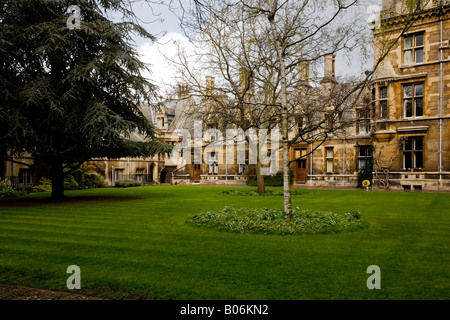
<point>303,73</point>
<point>210,85</point>
<point>246,80</point>
<point>183,91</point>
<point>329,70</point>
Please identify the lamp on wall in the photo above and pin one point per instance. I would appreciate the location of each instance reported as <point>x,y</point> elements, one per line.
<point>357,145</point>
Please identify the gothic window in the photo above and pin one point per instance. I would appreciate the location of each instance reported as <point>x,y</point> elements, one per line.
<point>330,159</point>
<point>383,103</point>
<point>365,157</point>
<point>213,161</point>
<point>413,100</point>
<point>363,121</point>
<point>413,48</point>
<point>413,153</point>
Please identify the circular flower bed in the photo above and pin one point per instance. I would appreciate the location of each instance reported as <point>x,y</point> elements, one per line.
<point>272,221</point>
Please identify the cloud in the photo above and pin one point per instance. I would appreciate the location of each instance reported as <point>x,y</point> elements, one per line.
<point>162,73</point>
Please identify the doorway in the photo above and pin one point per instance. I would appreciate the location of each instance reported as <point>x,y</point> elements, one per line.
<point>300,172</point>
<point>163,177</point>
<point>197,172</point>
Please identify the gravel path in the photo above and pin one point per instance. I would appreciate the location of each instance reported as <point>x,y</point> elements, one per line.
<point>14,292</point>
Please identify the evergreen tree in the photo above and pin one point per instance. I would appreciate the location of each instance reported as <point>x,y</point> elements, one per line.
<point>69,92</point>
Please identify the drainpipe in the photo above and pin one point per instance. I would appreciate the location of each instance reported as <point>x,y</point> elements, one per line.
<point>226,161</point>
<point>441,97</point>
<point>311,161</point>
<point>343,162</point>
<point>146,178</point>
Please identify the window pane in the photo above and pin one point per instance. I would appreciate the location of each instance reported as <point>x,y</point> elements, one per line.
<point>418,144</point>
<point>362,152</point>
<point>361,163</point>
<point>383,93</point>
<point>408,57</point>
<point>419,40</point>
<point>419,55</point>
<point>408,145</point>
<point>418,90</point>
<point>329,165</point>
<point>419,107</point>
<point>362,126</point>
<point>408,42</point>
<point>329,152</point>
<point>418,160</point>
<point>407,160</point>
<point>407,91</point>
<point>408,108</point>
<point>383,110</point>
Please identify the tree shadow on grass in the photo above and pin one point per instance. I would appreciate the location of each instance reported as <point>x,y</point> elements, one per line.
<point>68,200</point>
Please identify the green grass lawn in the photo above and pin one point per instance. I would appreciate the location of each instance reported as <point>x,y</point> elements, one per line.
<point>142,248</point>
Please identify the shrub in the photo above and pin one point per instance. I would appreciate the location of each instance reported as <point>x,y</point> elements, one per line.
<point>45,185</point>
<point>5,185</point>
<point>92,181</point>
<point>271,221</point>
<point>365,174</point>
<point>272,181</point>
<point>127,183</point>
<point>70,183</point>
<point>11,193</point>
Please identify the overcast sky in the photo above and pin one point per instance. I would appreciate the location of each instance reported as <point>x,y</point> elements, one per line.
<point>165,25</point>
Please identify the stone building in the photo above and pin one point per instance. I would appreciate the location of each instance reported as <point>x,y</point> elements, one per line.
<point>411,105</point>
<point>399,125</point>
<point>334,162</point>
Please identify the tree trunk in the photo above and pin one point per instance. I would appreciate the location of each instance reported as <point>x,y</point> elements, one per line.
<point>3,154</point>
<point>260,178</point>
<point>287,183</point>
<point>57,176</point>
<point>284,113</point>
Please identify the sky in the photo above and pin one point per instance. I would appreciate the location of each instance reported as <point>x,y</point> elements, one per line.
<point>165,26</point>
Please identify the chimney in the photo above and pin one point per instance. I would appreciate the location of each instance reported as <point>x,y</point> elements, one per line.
<point>246,82</point>
<point>388,4</point>
<point>183,91</point>
<point>210,86</point>
<point>303,73</point>
<point>330,66</point>
<point>329,71</point>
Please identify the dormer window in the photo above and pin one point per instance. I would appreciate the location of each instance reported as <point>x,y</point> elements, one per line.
<point>161,122</point>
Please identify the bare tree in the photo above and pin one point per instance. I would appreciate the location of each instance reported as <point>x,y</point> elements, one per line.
<point>240,90</point>
<point>274,41</point>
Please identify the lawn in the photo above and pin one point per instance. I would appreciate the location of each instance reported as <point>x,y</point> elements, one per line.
<point>142,248</point>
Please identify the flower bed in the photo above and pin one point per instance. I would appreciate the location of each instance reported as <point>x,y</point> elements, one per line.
<point>272,221</point>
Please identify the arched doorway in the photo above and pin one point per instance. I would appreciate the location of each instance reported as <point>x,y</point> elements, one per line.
<point>164,177</point>
<point>150,173</point>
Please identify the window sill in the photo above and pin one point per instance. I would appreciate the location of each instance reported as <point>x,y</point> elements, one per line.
<point>422,64</point>
<point>412,118</point>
